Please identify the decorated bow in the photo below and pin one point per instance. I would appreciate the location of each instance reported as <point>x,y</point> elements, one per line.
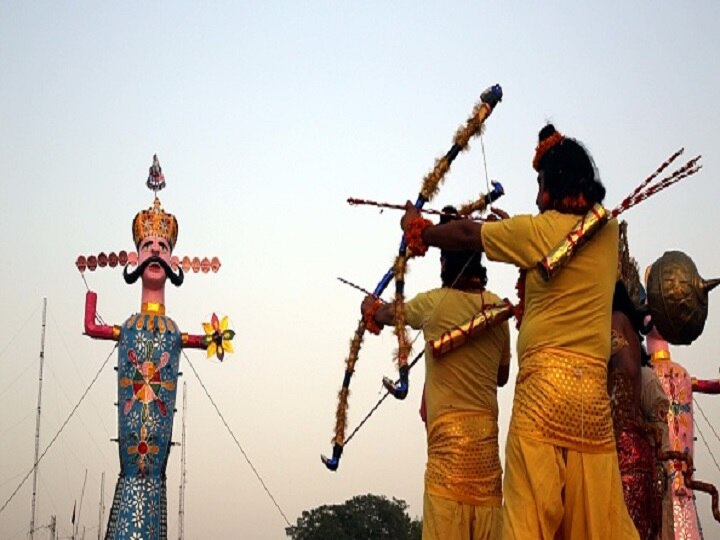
<point>430,186</point>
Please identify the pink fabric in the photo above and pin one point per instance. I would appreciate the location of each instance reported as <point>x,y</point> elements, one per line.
<point>678,387</point>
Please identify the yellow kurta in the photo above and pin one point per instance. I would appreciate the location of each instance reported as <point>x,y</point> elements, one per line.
<point>562,475</point>
<point>463,478</point>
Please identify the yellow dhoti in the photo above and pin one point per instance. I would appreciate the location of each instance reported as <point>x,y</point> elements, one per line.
<point>444,519</point>
<point>555,493</point>
<point>562,478</point>
<point>463,479</point>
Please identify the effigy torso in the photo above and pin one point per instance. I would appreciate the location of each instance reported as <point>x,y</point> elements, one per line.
<point>678,387</point>
<point>148,361</point>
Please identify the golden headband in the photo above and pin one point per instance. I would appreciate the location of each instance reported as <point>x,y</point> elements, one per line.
<point>545,145</point>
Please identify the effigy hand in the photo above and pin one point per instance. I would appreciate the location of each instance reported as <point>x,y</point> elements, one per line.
<point>218,337</point>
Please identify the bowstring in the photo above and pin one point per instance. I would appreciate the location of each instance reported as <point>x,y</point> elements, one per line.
<point>487,176</point>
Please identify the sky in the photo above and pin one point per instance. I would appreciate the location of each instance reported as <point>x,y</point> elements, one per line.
<point>266,117</point>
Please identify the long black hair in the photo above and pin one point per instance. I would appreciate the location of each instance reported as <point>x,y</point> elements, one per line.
<point>570,177</point>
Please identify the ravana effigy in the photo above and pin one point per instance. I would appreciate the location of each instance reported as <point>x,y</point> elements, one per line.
<point>149,348</point>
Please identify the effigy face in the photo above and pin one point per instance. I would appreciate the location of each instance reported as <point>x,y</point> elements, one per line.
<point>154,246</point>
<point>677,298</point>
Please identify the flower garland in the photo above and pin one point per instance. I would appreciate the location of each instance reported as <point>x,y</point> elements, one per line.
<point>403,350</point>
<point>413,236</point>
<point>371,325</point>
<point>545,145</point>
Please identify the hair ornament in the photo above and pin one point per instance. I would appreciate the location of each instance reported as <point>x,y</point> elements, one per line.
<point>546,144</point>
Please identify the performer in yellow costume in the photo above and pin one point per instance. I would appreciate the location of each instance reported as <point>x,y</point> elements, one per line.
<point>562,478</point>
<point>463,478</point>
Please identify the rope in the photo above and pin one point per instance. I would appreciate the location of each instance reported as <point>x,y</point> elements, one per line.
<point>237,443</point>
<point>98,318</point>
<point>62,427</point>
<point>703,436</point>
<point>62,388</point>
<point>12,339</point>
<point>706,419</point>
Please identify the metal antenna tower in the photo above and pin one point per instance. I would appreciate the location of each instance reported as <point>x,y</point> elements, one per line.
<point>37,421</point>
<point>101,510</point>
<point>76,525</point>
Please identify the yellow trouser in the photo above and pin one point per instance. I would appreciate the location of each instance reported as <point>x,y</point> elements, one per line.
<point>553,493</point>
<point>444,519</point>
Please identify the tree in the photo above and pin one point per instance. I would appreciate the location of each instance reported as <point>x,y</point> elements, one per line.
<point>364,517</point>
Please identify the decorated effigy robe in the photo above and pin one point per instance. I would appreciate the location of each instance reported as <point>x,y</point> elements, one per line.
<point>148,361</point>
<point>678,387</point>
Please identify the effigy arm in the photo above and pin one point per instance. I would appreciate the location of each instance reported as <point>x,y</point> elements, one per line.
<point>705,386</point>
<point>193,341</point>
<point>92,329</point>
<point>687,472</point>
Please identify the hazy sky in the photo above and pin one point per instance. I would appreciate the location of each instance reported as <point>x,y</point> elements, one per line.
<point>266,116</point>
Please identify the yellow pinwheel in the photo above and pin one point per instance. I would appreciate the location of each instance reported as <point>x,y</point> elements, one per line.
<point>218,337</point>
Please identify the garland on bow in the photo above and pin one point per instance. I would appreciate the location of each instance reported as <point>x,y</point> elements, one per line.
<point>430,186</point>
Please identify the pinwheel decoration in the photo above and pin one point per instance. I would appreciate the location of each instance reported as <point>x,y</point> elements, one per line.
<point>218,337</point>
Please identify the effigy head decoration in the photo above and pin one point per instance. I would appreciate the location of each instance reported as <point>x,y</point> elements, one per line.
<point>678,297</point>
<point>155,234</point>
<point>151,222</point>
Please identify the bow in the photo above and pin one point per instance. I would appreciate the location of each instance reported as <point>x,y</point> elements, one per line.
<point>430,186</point>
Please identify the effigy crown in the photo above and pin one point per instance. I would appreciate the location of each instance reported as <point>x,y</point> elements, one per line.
<point>155,222</point>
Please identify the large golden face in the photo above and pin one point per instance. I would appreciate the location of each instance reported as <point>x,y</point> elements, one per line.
<point>677,297</point>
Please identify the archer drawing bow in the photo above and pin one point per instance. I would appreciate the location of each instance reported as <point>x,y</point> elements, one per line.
<point>430,186</point>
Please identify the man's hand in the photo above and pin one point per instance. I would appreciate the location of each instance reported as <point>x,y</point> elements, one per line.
<point>410,213</point>
<point>497,214</point>
<point>367,302</point>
